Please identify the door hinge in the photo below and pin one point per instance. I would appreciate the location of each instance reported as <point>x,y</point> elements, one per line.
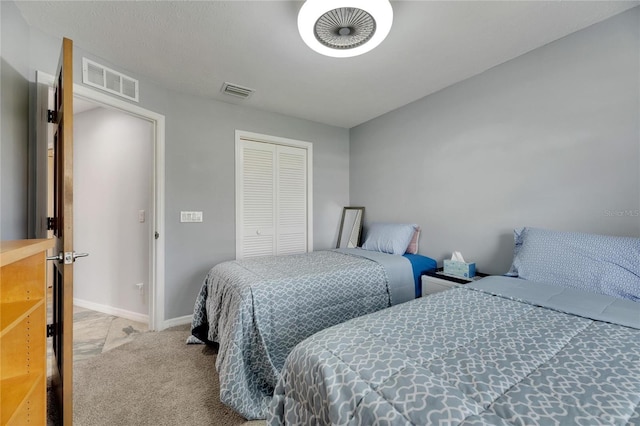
<point>51,223</point>
<point>51,116</point>
<point>50,331</point>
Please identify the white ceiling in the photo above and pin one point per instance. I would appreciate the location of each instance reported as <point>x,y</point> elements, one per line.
<point>195,46</point>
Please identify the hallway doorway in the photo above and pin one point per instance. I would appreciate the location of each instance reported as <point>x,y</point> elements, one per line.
<point>148,288</point>
<point>113,194</point>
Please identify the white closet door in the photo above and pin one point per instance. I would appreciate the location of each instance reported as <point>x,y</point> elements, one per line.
<point>291,200</point>
<point>272,198</point>
<point>258,197</point>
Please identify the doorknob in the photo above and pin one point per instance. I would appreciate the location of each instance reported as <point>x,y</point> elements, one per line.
<point>77,255</point>
<point>67,257</point>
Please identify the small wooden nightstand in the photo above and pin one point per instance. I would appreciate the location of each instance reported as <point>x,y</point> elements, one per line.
<point>434,281</point>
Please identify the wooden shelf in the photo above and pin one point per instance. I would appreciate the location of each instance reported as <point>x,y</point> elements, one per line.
<point>23,365</point>
<point>16,391</point>
<point>13,251</point>
<point>14,312</point>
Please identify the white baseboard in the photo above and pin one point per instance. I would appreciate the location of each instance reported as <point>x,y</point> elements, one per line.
<point>177,321</point>
<point>110,310</point>
<point>133,316</point>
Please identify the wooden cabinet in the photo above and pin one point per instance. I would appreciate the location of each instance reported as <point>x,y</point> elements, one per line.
<point>23,338</point>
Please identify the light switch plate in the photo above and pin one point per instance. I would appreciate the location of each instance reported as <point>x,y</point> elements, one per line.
<point>190,217</point>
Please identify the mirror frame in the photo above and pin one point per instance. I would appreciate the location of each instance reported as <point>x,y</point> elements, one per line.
<point>344,213</point>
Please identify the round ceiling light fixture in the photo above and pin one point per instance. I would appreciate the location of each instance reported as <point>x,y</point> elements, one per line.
<point>344,28</point>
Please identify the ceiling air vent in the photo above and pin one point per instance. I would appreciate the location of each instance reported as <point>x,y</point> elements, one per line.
<point>237,91</point>
<point>96,75</point>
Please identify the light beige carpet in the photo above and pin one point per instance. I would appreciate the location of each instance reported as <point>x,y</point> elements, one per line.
<point>154,380</point>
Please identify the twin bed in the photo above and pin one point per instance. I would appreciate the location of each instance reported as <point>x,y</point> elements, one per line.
<point>490,353</point>
<point>559,344</point>
<point>258,309</point>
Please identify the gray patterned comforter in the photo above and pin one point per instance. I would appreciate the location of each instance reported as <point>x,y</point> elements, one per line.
<point>470,357</point>
<point>259,309</point>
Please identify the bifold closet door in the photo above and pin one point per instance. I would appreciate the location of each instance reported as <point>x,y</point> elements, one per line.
<point>272,199</point>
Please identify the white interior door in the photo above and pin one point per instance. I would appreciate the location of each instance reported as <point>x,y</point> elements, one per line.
<point>257,199</point>
<point>291,200</point>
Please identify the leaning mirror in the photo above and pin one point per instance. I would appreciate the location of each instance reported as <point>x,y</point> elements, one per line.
<point>350,227</point>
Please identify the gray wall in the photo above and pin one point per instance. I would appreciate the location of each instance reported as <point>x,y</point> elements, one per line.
<point>200,172</point>
<point>550,139</point>
<point>201,176</point>
<point>14,123</point>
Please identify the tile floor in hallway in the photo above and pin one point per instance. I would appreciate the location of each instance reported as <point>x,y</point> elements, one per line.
<point>95,333</point>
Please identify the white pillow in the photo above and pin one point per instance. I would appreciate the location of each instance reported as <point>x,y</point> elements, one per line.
<point>392,238</point>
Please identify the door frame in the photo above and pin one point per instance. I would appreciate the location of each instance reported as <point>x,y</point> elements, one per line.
<point>157,250</point>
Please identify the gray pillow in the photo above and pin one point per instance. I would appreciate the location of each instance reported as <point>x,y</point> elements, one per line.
<point>596,263</point>
<point>392,238</point>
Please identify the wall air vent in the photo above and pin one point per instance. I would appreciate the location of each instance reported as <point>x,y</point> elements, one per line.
<point>237,91</point>
<point>96,75</point>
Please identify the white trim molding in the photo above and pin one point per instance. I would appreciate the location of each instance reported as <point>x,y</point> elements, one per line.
<point>173,322</point>
<point>110,310</point>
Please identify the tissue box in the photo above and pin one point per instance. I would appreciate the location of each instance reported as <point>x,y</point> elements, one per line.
<point>459,269</point>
